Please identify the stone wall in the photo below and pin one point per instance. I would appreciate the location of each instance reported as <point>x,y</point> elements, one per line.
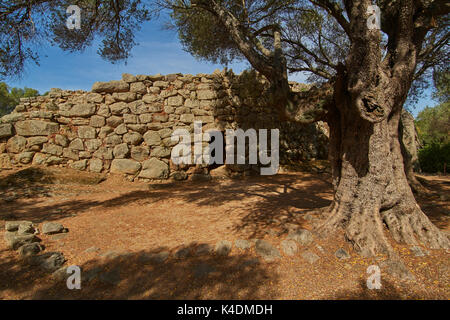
<point>125,126</point>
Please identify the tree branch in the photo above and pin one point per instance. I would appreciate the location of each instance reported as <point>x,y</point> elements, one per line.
<point>335,10</point>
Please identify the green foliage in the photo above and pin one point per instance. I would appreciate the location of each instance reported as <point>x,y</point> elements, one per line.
<point>434,157</point>
<point>442,85</point>
<point>6,101</point>
<point>433,124</point>
<point>26,26</point>
<point>10,97</point>
<point>433,127</point>
<point>203,36</point>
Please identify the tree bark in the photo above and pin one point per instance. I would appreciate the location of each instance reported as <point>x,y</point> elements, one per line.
<point>409,143</point>
<point>372,194</point>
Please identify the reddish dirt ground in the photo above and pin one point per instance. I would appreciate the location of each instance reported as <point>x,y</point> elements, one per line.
<point>114,223</point>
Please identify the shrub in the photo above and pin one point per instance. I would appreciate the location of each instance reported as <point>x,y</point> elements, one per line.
<point>434,156</point>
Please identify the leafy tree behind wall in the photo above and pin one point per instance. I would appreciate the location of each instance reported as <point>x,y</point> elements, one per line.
<point>433,127</point>
<point>10,97</point>
<point>441,81</point>
<point>433,124</point>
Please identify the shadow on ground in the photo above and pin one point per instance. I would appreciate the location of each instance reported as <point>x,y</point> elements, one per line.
<point>274,201</point>
<point>436,208</point>
<point>388,291</point>
<point>39,184</point>
<point>137,276</point>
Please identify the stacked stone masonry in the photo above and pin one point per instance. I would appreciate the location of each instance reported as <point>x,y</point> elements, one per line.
<point>125,126</point>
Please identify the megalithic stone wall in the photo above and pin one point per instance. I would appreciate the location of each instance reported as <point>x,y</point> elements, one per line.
<point>125,126</point>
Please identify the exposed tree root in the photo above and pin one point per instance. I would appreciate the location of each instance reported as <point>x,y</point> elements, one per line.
<point>366,230</point>
<point>408,224</point>
<point>416,186</point>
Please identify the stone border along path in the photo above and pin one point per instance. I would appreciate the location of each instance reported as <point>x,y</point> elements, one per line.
<point>22,236</point>
<point>264,249</point>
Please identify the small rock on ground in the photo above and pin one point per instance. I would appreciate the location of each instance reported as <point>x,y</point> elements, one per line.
<point>203,249</point>
<point>311,257</point>
<point>341,254</point>
<point>182,253</point>
<point>52,228</point>
<point>397,269</point>
<point>26,228</point>
<point>243,244</point>
<point>223,247</point>
<point>289,247</point>
<point>14,225</point>
<point>53,262</point>
<point>302,236</point>
<point>50,261</point>
<point>15,241</point>
<point>266,250</point>
<point>30,249</point>
<point>60,274</point>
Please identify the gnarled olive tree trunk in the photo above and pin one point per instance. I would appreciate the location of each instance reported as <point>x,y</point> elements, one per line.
<point>372,194</point>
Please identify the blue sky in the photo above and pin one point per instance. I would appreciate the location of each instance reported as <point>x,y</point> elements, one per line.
<point>159,51</point>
